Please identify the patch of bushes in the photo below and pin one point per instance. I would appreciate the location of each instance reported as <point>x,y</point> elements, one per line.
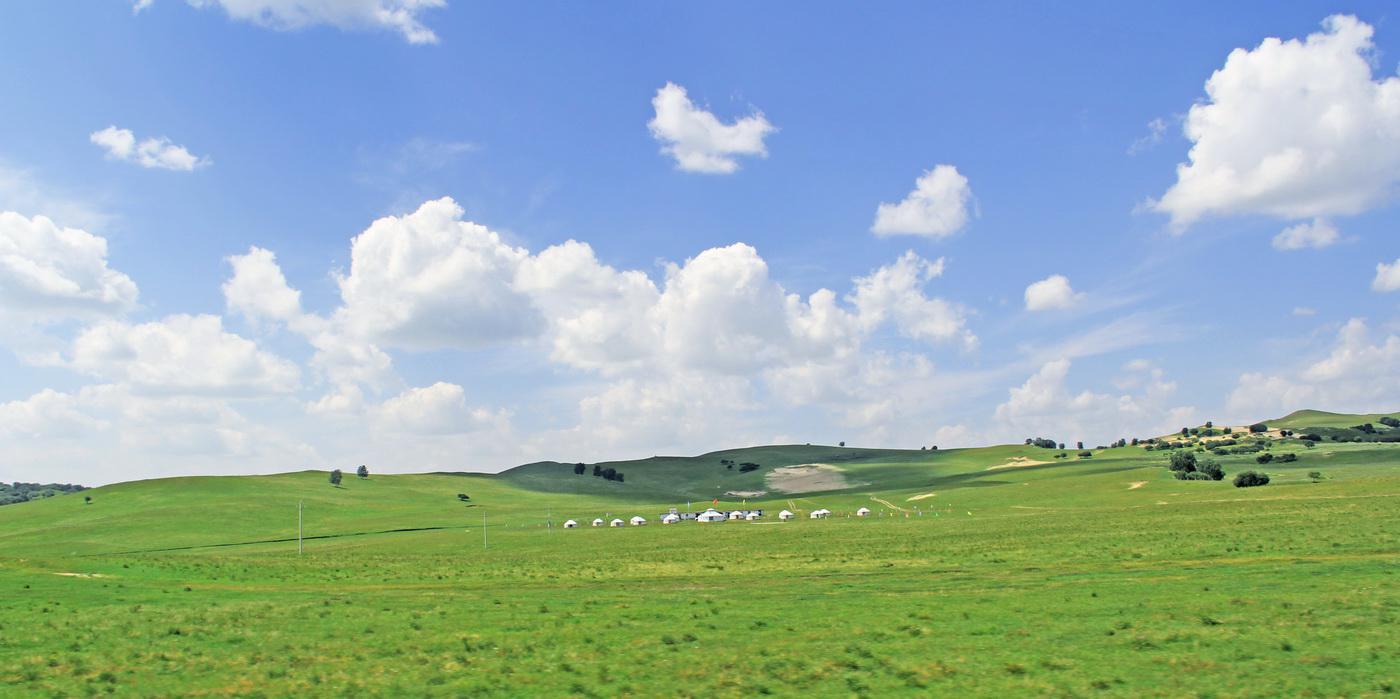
<point>747,466</point>
<point>11,493</point>
<point>1390,421</point>
<point>1250,479</point>
<point>1264,458</point>
<point>1258,427</point>
<point>1085,454</point>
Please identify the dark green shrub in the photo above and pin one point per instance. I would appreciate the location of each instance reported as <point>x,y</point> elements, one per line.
<point>1286,458</point>
<point>1085,454</point>
<point>1249,479</point>
<point>1264,458</point>
<point>1183,461</point>
<point>1210,469</point>
<point>1390,421</point>
<point>1192,476</point>
<point>1258,427</point>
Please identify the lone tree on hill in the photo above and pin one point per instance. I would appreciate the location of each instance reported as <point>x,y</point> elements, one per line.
<point>579,469</point>
<point>1257,428</point>
<point>335,477</point>
<point>597,470</point>
<point>362,471</point>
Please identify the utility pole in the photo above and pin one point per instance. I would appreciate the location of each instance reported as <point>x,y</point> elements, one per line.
<point>300,503</point>
<point>483,529</point>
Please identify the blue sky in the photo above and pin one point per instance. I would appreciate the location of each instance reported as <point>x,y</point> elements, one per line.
<point>235,322</point>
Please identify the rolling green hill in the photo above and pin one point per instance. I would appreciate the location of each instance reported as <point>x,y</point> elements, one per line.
<point>1303,419</point>
<point>999,571</point>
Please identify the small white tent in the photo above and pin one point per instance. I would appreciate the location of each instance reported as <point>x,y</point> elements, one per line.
<point>820,514</point>
<point>785,515</point>
<point>863,512</point>
<point>638,521</point>
<point>615,523</point>
<point>597,522</point>
<point>751,516</point>
<point>671,518</point>
<point>709,516</point>
<point>570,524</point>
<point>736,515</point>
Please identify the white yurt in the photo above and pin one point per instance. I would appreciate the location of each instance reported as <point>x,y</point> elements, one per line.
<point>709,516</point>
<point>615,523</point>
<point>597,522</point>
<point>570,524</point>
<point>863,512</point>
<point>786,515</point>
<point>751,516</point>
<point>736,515</point>
<point>820,514</point>
<point>638,521</point>
<point>671,518</point>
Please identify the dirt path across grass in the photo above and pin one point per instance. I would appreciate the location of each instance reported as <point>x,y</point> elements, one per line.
<point>1136,484</point>
<point>922,496</point>
<point>888,504</point>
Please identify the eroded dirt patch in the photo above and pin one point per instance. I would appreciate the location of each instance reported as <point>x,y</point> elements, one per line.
<point>1017,462</point>
<point>746,493</point>
<point>807,478</point>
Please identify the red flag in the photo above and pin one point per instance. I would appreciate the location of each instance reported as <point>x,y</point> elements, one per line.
<point>715,502</point>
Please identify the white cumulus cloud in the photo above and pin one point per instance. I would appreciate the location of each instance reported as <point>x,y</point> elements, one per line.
<point>1292,129</point>
<point>938,206</point>
<point>48,272</point>
<point>1317,234</point>
<point>402,16</point>
<point>1051,293</point>
<point>121,144</point>
<point>1358,375</point>
<point>439,409</point>
<point>698,140</point>
<point>1387,276</point>
<point>181,354</point>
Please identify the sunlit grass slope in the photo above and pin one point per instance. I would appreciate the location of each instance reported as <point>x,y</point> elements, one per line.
<point>980,573</point>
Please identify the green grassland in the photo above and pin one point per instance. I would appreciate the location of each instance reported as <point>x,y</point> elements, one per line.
<point>1074,577</point>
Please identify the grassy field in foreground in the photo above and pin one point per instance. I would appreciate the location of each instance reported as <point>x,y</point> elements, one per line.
<point>1100,576</point>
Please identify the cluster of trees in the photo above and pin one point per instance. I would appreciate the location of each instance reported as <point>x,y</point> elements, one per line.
<point>609,473</point>
<point>12,493</point>
<point>1284,458</point>
<point>1390,421</point>
<point>746,466</point>
<point>1042,442</point>
<point>1185,467</point>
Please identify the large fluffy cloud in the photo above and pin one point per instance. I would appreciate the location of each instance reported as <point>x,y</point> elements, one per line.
<point>429,280</point>
<point>402,16</point>
<point>938,206</point>
<point>121,144</point>
<point>1359,374</point>
<point>48,272</point>
<point>1292,129</point>
<point>181,354</point>
<point>698,140</point>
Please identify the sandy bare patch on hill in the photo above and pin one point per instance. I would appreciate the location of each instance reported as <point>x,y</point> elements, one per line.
<point>81,575</point>
<point>1136,484</point>
<point>1017,462</point>
<point>807,478</point>
<point>920,497</point>
<point>746,493</point>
